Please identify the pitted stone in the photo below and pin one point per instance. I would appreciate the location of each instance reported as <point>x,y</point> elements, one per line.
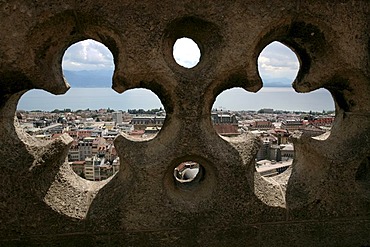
<point>42,202</point>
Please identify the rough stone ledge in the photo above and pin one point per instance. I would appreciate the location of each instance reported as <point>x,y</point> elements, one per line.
<point>291,233</point>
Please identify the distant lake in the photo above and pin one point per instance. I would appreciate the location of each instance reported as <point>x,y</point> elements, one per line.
<point>284,98</point>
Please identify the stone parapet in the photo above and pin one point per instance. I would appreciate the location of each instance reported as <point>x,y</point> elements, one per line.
<point>325,201</point>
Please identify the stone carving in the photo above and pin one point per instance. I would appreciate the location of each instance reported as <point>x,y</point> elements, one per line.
<point>326,200</point>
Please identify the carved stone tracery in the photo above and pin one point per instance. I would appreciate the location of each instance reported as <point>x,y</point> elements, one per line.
<point>326,200</point>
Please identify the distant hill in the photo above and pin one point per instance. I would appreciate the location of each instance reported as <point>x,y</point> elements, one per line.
<point>277,82</point>
<point>103,79</point>
<point>89,78</point>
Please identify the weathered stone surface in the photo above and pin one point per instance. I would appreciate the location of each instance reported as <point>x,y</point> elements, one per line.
<point>326,200</point>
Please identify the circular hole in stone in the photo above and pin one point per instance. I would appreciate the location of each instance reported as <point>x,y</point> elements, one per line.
<point>186,172</point>
<point>186,52</point>
<point>190,181</point>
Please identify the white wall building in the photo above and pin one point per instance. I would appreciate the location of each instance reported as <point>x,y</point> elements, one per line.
<point>117,117</point>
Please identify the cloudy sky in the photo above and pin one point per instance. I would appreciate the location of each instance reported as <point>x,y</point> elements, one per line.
<point>186,52</point>
<point>275,63</point>
<point>87,55</point>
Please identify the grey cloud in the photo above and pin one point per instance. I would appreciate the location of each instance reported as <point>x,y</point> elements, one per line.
<point>278,62</point>
<point>88,55</point>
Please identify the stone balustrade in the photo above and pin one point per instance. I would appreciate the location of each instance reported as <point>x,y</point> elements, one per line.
<point>325,201</point>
